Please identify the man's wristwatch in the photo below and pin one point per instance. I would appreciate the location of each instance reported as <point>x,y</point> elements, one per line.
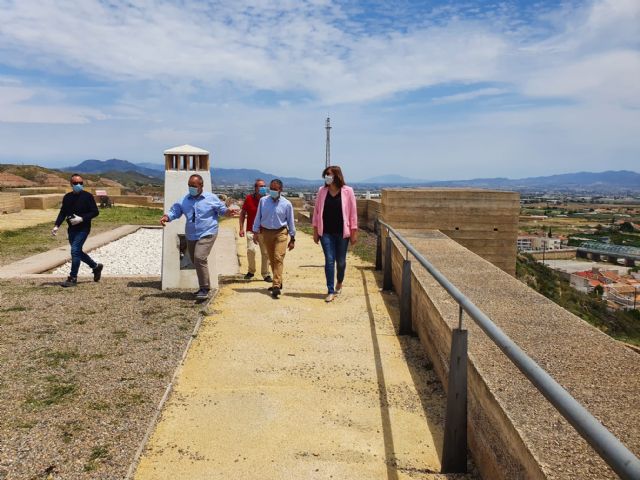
<point>293,239</point>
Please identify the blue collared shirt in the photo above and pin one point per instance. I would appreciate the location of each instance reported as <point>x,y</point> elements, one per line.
<point>202,214</point>
<point>274,214</point>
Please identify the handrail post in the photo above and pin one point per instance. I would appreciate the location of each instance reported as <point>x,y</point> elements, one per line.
<point>387,281</point>
<point>454,451</point>
<point>405,300</point>
<point>379,251</point>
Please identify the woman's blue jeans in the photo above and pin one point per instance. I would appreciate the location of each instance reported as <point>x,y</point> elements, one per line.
<point>76,240</point>
<point>335,253</point>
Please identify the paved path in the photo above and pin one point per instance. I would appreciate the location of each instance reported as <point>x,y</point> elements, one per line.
<point>27,218</point>
<point>298,389</point>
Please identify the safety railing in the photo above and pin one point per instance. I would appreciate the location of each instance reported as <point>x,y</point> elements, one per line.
<point>454,453</point>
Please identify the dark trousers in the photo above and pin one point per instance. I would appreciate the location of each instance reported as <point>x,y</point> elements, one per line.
<point>335,254</point>
<point>76,240</point>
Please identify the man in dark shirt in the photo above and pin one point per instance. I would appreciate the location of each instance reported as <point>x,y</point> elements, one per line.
<point>78,208</point>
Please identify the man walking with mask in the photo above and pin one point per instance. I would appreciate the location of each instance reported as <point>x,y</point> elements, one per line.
<point>248,211</point>
<point>78,208</point>
<point>201,210</point>
<point>274,223</point>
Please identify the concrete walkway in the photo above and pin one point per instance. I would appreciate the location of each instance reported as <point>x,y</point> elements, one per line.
<point>298,389</point>
<point>27,218</point>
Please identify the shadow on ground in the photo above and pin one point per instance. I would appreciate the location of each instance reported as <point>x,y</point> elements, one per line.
<point>421,369</point>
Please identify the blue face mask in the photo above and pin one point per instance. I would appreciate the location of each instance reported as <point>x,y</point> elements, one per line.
<point>78,188</point>
<point>263,191</point>
<point>193,191</point>
<point>274,194</point>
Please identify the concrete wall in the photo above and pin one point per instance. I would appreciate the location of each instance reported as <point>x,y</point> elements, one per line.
<point>38,190</point>
<point>303,217</point>
<point>564,254</point>
<point>297,202</point>
<point>10,202</point>
<point>42,202</point>
<point>111,191</point>
<point>140,200</point>
<point>484,221</point>
<point>368,213</point>
<point>513,432</point>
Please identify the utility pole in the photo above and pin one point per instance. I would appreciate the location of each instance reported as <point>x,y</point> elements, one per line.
<point>327,159</point>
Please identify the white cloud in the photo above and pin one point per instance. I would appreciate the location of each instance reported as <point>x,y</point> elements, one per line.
<point>472,95</point>
<point>189,71</point>
<point>20,104</point>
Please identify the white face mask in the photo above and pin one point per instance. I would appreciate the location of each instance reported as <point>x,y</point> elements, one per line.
<point>328,179</point>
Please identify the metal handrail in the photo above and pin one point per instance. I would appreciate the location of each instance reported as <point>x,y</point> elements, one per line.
<point>612,450</point>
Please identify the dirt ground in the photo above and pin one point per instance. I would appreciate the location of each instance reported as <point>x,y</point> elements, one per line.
<point>82,371</point>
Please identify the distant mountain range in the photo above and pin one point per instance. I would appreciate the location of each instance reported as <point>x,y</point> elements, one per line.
<point>602,182</point>
<point>220,176</point>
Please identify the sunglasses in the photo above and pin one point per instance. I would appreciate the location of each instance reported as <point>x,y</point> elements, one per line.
<point>77,183</point>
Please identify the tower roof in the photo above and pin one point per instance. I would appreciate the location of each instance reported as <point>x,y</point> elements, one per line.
<point>186,150</point>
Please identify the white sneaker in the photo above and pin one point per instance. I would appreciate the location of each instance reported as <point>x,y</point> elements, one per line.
<point>329,298</point>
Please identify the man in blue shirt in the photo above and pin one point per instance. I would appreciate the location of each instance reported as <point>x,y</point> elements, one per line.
<point>274,223</point>
<point>201,210</point>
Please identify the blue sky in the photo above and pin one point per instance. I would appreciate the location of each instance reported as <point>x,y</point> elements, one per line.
<point>433,90</point>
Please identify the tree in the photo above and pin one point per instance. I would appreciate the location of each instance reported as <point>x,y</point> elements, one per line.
<point>627,227</point>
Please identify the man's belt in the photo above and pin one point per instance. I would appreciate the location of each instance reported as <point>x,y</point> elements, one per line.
<point>274,229</point>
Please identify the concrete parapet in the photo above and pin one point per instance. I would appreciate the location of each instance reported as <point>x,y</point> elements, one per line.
<point>38,190</point>
<point>303,217</point>
<point>42,202</point>
<point>297,202</point>
<point>514,433</point>
<point>141,200</point>
<point>485,221</point>
<point>368,212</point>
<point>564,254</point>
<point>111,191</point>
<point>10,202</point>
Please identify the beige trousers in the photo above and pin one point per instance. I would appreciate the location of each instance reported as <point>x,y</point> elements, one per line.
<point>199,252</point>
<point>251,255</point>
<point>276,242</point>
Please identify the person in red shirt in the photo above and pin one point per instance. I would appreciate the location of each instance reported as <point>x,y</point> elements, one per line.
<point>248,212</point>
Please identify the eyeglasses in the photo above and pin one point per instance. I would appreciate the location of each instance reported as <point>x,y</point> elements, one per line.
<point>77,183</point>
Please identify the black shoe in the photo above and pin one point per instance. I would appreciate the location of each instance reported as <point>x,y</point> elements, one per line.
<point>70,282</point>
<point>275,292</point>
<point>97,272</point>
<point>248,276</point>
<point>268,279</point>
<point>202,294</point>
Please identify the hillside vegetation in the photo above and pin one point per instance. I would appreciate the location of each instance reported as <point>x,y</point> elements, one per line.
<point>133,181</point>
<point>621,325</point>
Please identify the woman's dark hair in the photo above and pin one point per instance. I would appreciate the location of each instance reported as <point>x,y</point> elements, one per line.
<point>336,171</point>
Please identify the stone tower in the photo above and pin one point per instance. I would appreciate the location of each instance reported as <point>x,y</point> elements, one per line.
<point>177,269</point>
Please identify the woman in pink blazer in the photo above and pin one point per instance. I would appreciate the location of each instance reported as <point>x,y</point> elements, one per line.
<point>335,225</point>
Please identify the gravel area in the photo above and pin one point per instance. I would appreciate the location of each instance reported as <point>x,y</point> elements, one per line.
<point>137,254</point>
<point>82,371</point>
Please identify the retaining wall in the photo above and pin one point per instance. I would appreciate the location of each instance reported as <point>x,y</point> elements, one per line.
<point>10,202</point>
<point>42,202</point>
<point>513,432</point>
<point>140,200</point>
<point>368,212</point>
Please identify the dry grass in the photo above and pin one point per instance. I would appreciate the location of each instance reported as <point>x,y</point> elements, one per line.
<point>82,371</point>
